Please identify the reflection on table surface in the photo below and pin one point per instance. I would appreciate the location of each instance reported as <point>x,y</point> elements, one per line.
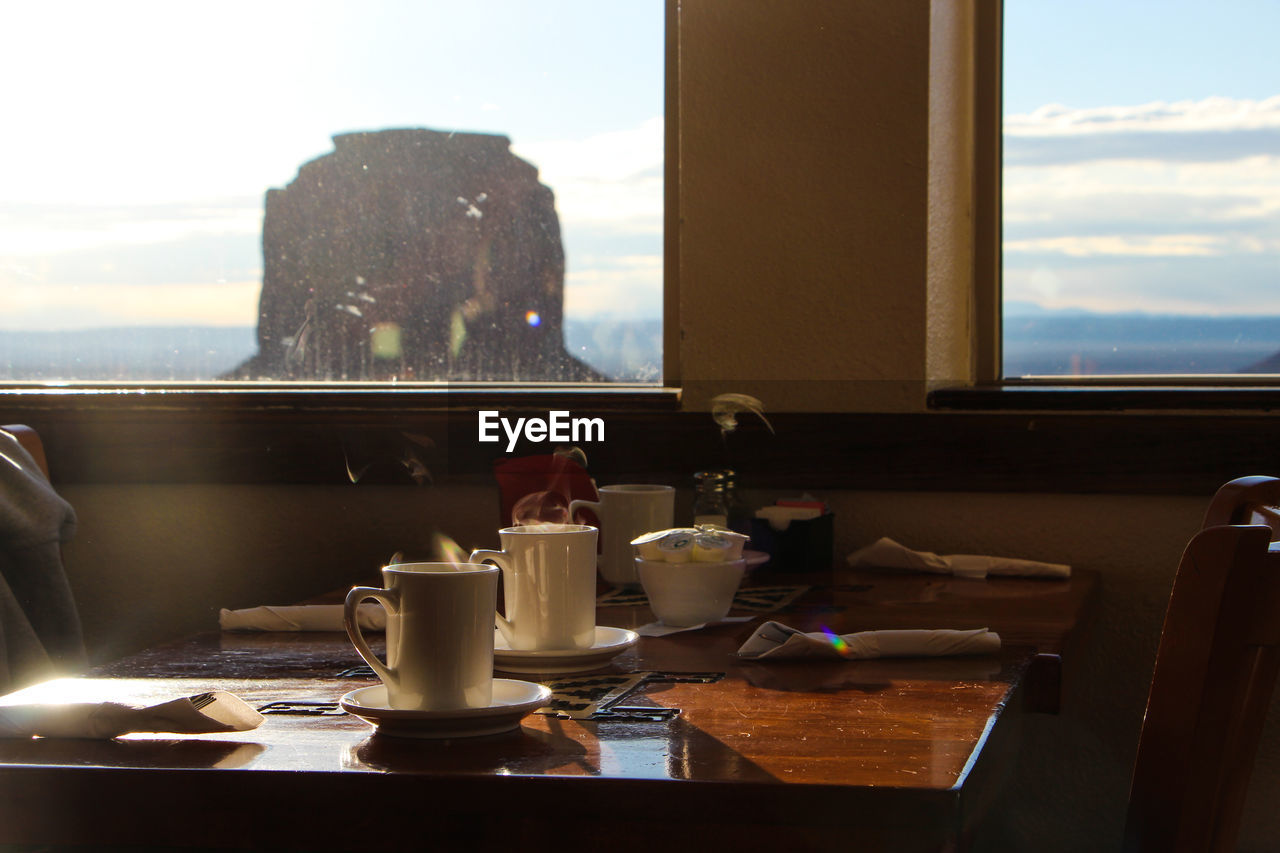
<point>913,727</point>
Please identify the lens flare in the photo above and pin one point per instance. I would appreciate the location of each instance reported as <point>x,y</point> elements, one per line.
<point>447,550</point>
<point>385,341</point>
<point>836,640</point>
<point>533,318</point>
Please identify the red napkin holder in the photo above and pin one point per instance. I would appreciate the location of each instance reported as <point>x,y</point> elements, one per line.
<point>561,478</point>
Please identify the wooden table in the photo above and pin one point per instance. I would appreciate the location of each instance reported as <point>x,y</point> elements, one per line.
<point>899,755</point>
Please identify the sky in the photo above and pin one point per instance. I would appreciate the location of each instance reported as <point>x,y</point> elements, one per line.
<point>1142,147</point>
<point>143,136</point>
<point>1142,156</point>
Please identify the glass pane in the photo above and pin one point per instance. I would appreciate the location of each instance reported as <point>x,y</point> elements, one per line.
<point>332,190</point>
<point>1141,188</point>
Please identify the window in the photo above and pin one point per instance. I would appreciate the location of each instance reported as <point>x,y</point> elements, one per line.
<point>799,214</point>
<point>325,191</point>
<point>1141,189</point>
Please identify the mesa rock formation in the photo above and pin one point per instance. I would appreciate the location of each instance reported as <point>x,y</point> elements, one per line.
<point>413,254</point>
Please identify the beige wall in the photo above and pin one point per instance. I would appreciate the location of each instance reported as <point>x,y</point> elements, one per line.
<point>804,201</point>
<point>149,563</point>
<point>822,263</point>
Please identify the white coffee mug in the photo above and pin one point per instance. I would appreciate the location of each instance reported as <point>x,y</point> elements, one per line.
<point>549,585</point>
<point>439,634</point>
<point>626,511</point>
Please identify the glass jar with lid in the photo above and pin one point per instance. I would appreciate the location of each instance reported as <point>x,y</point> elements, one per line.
<point>710,504</point>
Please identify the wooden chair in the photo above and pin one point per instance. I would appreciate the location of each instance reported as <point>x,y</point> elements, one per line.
<point>1215,670</point>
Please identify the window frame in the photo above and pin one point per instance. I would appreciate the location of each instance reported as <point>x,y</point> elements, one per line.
<point>991,390</point>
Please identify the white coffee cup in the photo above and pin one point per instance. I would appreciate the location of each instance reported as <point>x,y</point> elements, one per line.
<point>626,511</point>
<point>549,585</point>
<point>439,634</point>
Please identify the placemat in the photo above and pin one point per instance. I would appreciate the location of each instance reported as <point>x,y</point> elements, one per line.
<point>600,697</point>
<point>755,599</point>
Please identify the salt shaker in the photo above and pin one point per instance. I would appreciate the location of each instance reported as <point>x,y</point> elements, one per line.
<point>709,503</point>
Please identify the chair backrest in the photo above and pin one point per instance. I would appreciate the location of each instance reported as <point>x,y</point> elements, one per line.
<point>1215,670</point>
<point>40,632</point>
<point>1247,500</point>
<point>30,441</point>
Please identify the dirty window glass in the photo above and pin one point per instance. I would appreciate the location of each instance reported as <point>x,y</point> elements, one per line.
<point>383,191</point>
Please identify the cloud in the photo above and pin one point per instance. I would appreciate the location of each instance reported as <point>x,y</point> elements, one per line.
<point>1157,207</point>
<point>1189,284</point>
<point>1226,209</point>
<point>1153,193</point>
<point>194,258</point>
<point>1214,129</point>
<point>1169,146</point>
<point>609,197</point>
<point>613,177</point>
<point>1163,218</point>
<point>98,304</point>
<point>1164,245</point>
<point>630,285</point>
<point>29,229</point>
<point>16,214</point>
<point>1210,114</point>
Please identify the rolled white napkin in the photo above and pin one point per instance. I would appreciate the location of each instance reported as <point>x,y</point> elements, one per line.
<point>301,617</point>
<point>776,641</point>
<point>203,714</point>
<point>884,553</point>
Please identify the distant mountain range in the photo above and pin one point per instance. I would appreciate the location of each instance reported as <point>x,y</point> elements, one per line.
<point>624,350</point>
<point>1036,342</point>
<point>137,353</point>
<point>1072,342</point>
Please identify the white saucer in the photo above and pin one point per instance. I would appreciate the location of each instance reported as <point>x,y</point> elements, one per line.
<point>609,643</point>
<point>512,701</point>
<point>754,558</point>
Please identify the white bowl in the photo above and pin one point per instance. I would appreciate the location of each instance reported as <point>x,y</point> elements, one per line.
<point>685,594</point>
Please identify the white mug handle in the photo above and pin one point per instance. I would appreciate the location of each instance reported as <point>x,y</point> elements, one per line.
<point>388,599</point>
<point>503,561</point>
<point>576,505</point>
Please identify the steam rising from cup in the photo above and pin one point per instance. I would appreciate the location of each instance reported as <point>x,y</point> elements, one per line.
<point>545,507</point>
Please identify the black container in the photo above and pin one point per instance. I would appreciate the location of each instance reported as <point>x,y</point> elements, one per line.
<point>805,546</point>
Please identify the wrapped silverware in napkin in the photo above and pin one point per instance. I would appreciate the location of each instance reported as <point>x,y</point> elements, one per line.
<point>775,641</point>
<point>884,553</point>
<point>300,617</point>
<point>206,713</point>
